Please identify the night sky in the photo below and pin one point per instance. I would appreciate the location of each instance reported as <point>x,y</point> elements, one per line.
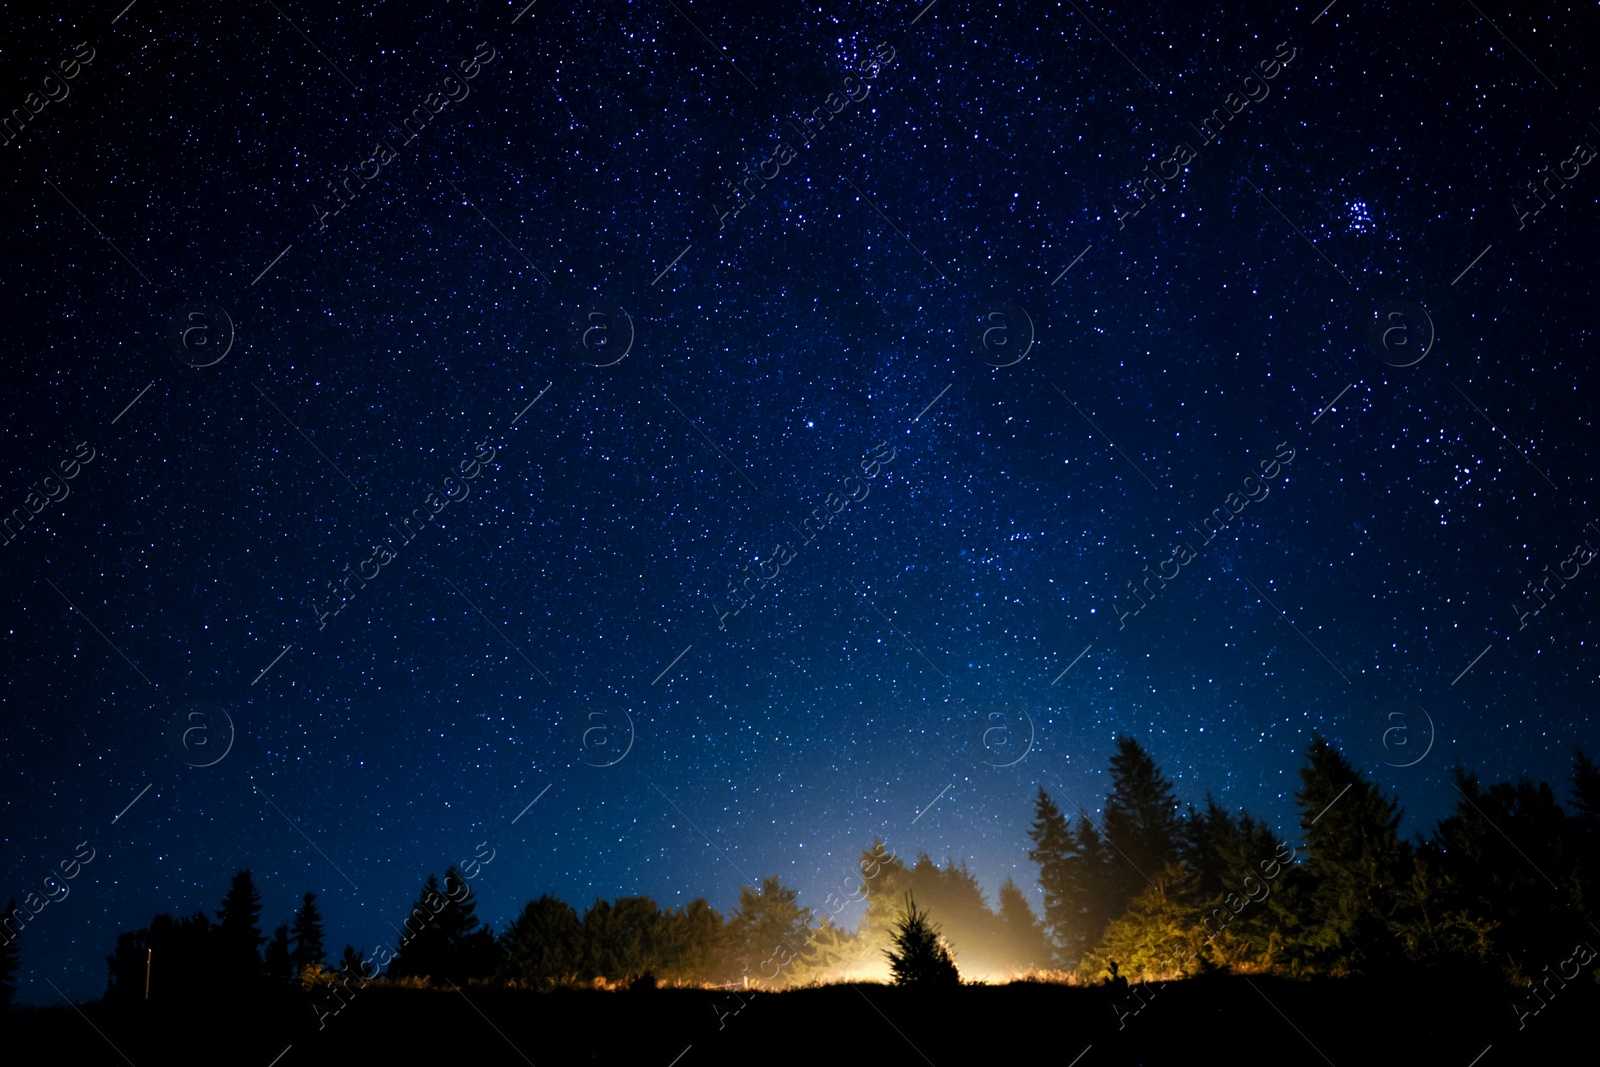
<point>380,491</point>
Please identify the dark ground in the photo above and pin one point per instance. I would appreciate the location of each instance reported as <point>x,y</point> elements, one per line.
<point>1414,1021</point>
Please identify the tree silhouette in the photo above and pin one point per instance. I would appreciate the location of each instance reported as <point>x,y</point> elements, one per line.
<point>1022,940</point>
<point>623,939</point>
<point>1585,797</point>
<point>238,933</point>
<point>1141,820</point>
<point>1497,845</point>
<point>1356,862</point>
<point>443,938</point>
<point>307,932</point>
<point>695,940</point>
<point>352,962</point>
<point>174,951</point>
<point>1158,937</point>
<point>543,946</point>
<point>767,932</point>
<point>885,881</point>
<point>920,957</point>
<point>278,961</point>
<point>1075,874</point>
<point>8,962</point>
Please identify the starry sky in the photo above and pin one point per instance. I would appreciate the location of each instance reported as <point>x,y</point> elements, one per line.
<point>415,449</point>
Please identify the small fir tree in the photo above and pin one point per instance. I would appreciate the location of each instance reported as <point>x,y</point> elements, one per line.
<point>920,956</point>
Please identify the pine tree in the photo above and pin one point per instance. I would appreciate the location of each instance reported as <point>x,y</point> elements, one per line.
<point>1160,935</point>
<point>278,962</point>
<point>885,879</point>
<point>544,946</point>
<point>238,933</point>
<point>968,926</point>
<point>767,933</point>
<point>1585,819</point>
<point>1500,845</point>
<point>1022,935</point>
<point>307,931</point>
<point>9,962</point>
<point>352,963</point>
<point>1355,860</point>
<point>690,943</point>
<point>624,940</point>
<point>1074,872</point>
<point>1141,820</point>
<point>1091,876</point>
<point>1231,886</point>
<point>920,956</point>
<point>1585,791</point>
<point>443,939</point>
<point>1052,850</point>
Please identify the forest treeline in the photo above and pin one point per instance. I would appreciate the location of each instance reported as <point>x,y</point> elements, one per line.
<point>1503,884</point>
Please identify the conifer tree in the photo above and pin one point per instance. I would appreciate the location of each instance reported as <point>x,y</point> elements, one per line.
<point>1585,819</point>
<point>307,931</point>
<point>767,933</point>
<point>1022,935</point>
<point>1159,936</point>
<point>443,938</point>
<point>1141,821</point>
<point>1355,860</point>
<point>278,961</point>
<point>1053,848</point>
<point>544,945</point>
<point>9,961</point>
<point>238,933</point>
<point>885,879</point>
<point>1500,844</point>
<point>920,956</point>
<point>1074,873</point>
<point>352,963</point>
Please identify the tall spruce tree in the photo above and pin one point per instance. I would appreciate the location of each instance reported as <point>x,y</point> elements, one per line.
<point>1141,821</point>
<point>277,960</point>
<point>9,961</point>
<point>238,933</point>
<point>1500,845</point>
<point>443,938</point>
<point>1021,934</point>
<point>1585,822</point>
<point>1074,872</point>
<point>1356,863</point>
<point>885,878</point>
<point>307,932</point>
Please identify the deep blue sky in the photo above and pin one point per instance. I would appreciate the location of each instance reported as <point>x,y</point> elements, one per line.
<point>576,588</point>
